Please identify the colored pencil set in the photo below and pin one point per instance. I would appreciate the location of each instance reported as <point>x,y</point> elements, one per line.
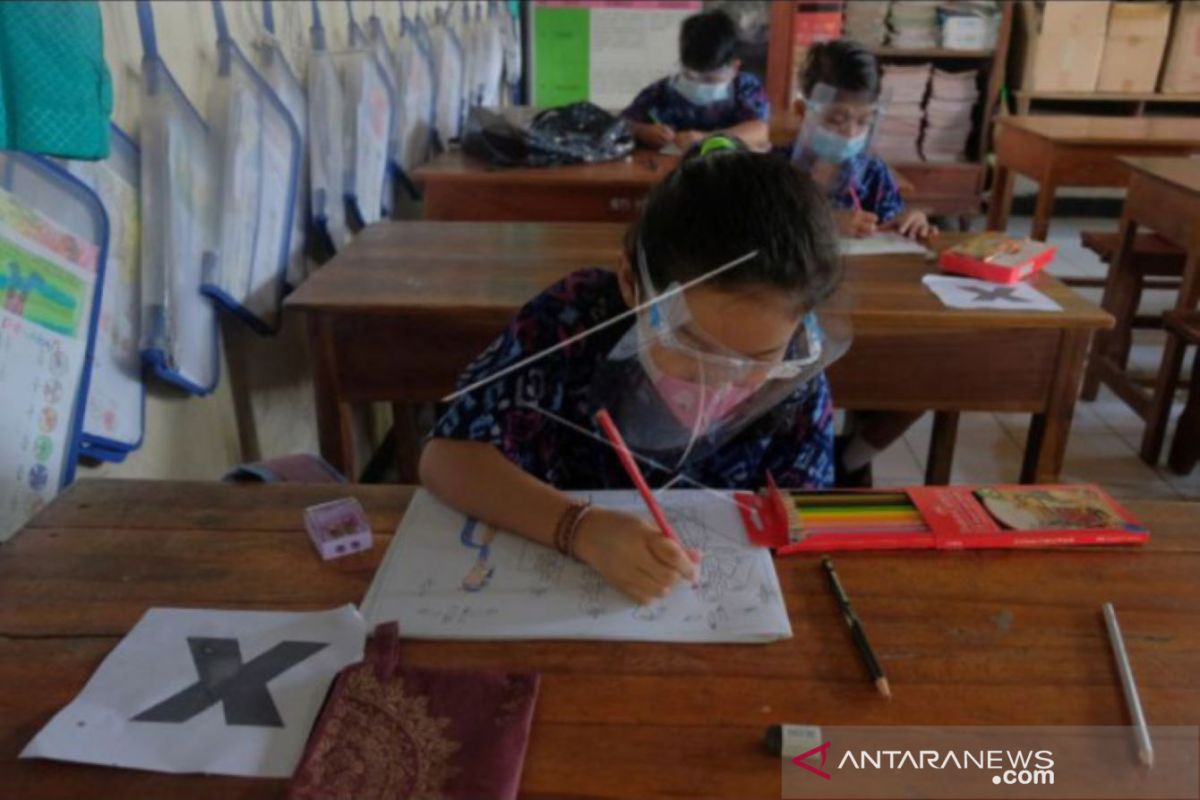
<point>858,512</point>
<point>944,517</point>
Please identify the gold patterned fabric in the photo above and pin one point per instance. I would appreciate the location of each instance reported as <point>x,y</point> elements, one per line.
<point>394,732</point>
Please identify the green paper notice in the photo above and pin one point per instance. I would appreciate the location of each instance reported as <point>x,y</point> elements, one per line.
<point>561,49</point>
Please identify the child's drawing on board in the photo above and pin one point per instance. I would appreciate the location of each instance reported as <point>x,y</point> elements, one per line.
<point>480,572</point>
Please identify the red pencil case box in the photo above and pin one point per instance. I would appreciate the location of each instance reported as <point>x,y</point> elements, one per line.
<point>997,257</point>
<point>953,517</point>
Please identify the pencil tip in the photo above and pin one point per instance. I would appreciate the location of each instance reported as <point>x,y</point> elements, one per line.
<point>884,688</point>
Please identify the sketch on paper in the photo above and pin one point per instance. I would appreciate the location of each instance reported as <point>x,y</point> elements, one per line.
<point>448,576</point>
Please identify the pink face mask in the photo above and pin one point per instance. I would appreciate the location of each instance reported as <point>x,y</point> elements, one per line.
<point>696,407</point>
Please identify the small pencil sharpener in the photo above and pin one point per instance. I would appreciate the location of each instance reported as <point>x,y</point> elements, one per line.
<point>338,528</point>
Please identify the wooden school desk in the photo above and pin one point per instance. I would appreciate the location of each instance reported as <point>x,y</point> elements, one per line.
<point>400,313</point>
<point>459,187</point>
<point>1077,151</point>
<point>1164,195</point>
<point>967,638</point>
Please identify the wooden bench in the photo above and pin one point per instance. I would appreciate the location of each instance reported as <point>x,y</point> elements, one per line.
<point>1154,264</point>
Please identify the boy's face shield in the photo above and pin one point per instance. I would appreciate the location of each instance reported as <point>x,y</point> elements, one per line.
<point>677,394</point>
<point>721,75</point>
<point>838,126</point>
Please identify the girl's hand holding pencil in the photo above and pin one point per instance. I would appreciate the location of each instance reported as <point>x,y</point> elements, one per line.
<point>633,555</point>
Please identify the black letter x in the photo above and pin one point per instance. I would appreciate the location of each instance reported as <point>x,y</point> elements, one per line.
<point>998,293</point>
<point>240,688</point>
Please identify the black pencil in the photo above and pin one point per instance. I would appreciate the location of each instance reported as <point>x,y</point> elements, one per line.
<point>856,630</point>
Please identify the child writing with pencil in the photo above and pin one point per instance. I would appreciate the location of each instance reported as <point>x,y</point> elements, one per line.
<point>709,94</point>
<point>704,347</point>
<point>840,81</point>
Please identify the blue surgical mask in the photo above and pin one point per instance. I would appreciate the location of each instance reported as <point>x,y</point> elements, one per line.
<point>830,146</point>
<point>699,93</point>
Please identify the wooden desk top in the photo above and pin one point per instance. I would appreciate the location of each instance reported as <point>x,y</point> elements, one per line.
<point>474,268</point>
<point>967,638</point>
<point>642,168</point>
<point>1109,131</point>
<point>1181,172</point>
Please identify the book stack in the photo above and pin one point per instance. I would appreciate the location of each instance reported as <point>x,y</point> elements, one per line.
<point>866,22</point>
<point>969,24</point>
<point>948,115</point>
<point>899,128</point>
<point>914,24</point>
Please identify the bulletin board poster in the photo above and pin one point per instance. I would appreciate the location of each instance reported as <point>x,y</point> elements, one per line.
<point>47,280</point>
<point>604,51</point>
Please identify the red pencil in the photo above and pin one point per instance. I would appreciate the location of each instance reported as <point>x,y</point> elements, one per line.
<point>854,197</point>
<point>610,430</point>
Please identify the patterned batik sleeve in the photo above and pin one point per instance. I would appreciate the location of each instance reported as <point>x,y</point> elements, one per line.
<point>801,455</point>
<point>505,412</point>
<point>750,98</point>
<point>879,193</point>
<point>647,100</point>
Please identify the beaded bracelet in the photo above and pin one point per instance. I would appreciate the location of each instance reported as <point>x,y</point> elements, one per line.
<point>567,528</point>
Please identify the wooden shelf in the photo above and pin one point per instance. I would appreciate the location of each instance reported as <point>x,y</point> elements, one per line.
<point>932,52</point>
<point>949,166</point>
<point>1099,97</point>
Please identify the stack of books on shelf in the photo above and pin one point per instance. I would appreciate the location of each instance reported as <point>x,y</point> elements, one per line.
<point>914,24</point>
<point>866,22</point>
<point>949,114</point>
<point>898,131</point>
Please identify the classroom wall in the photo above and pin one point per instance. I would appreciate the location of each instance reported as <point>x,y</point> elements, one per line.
<point>198,438</point>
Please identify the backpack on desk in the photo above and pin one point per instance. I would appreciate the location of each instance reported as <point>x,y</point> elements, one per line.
<point>564,135</point>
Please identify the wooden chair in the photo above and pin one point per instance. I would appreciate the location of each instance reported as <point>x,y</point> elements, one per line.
<point>1157,264</point>
<point>1185,448</point>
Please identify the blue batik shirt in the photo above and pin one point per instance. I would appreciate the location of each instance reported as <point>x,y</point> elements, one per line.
<point>873,184</point>
<point>794,441</point>
<point>747,101</point>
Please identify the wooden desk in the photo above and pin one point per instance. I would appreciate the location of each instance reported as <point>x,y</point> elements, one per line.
<point>1077,151</point>
<point>1164,195</point>
<point>981,638</point>
<point>398,314</point>
<point>460,187</point>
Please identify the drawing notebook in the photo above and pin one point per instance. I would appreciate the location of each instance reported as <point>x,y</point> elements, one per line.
<point>879,244</point>
<point>943,517</point>
<point>448,577</point>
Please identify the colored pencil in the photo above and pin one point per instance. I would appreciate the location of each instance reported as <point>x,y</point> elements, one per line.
<point>815,499</point>
<point>856,630</point>
<point>605,420</point>
<point>854,197</point>
<point>860,511</point>
<point>1141,731</point>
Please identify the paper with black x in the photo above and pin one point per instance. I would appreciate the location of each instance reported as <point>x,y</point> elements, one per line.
<point>974,294</point>
<point>196,690</point>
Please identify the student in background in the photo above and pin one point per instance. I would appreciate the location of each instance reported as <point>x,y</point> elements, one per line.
<point>709,94</point>
<point>505,452</point>
<point>841,86</point>
<point>840,81</point>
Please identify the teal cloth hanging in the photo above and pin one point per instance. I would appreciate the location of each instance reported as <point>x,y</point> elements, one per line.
<point>55,89</point>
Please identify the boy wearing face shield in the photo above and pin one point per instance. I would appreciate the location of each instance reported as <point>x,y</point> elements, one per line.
<point>840,80</point>
<point>720,381</point>
<point>709,93</point>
